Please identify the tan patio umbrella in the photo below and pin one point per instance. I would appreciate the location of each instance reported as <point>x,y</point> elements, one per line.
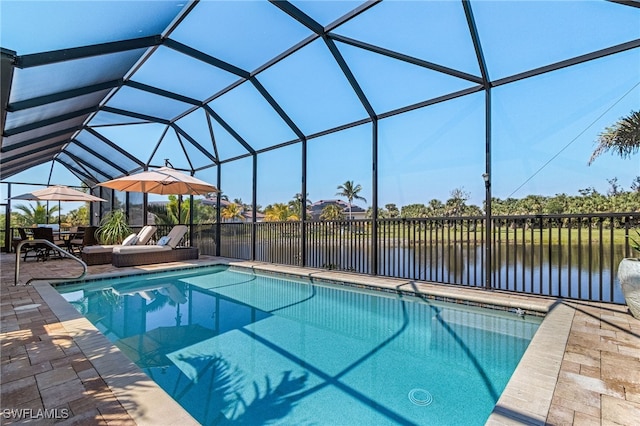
<point>57,193</point>
<point>163,181</point>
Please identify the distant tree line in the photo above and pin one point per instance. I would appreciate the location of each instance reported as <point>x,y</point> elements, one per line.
<point>29,215</point>
<point>616,200</point>
<point>589,200</point>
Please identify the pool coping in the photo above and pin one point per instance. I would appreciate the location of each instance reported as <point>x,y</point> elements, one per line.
<point>145,401</point>
<point>526,398</point>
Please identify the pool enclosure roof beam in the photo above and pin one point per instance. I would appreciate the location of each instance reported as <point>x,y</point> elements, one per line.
<point>208,59</point>
<point>86,165</point>
<point>49,121</point>
<point>115,147</point>
<point>305,20</point>
<point>42,148</point>
<point>356,123</point>
<point>46,58</point>
<point>32,141</point>
<point>117,76</point>
<point>299,16</point>
<point>60,96</point>
<point>193,142</point>
<point>229,129</point>
<point>133,114</point>
<point>267,96</point>
<point>99,156</point>
<point>7,59</point>
<point>634,44</point>
<point>406,58</point>
<point>161,92</point>
<point>632,3</point>
<point>31,161</point>
<point>213,138</point>
<point>350,77</point>
<point>81,175</point>
<point>477,46</point>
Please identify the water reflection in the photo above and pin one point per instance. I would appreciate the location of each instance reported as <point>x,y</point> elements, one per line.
<point>574,271</point>
<point>240,348</point>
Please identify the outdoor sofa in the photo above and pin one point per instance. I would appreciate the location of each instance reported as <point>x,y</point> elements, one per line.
<point>166,250</point>
<point>102,254</point>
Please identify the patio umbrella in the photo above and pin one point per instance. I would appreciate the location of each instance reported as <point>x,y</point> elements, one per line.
<point>57,193</point>
<point>164,181</point>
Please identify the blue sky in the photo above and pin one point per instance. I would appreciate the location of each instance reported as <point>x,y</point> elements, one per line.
<point>543,129</point>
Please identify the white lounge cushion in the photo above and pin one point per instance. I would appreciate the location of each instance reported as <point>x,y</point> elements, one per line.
<point>175,236</point>
<point>130,240</point>
<point>98,249</point>
<point>139,249</point>
<point>145,234</point>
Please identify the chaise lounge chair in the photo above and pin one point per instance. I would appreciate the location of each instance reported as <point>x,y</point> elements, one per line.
<point>149,292</point>
<point>102,254</point>
<point>166,251</point>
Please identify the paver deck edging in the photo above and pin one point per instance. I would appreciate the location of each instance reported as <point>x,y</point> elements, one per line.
<point>600,334</point>
<point>527,397</point>
<point>143,399</point>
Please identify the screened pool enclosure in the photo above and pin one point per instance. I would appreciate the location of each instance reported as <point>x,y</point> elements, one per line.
<point>278,100</point>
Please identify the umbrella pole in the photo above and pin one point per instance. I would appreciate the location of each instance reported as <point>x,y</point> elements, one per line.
<point>178,315</point>
<point>191,215</point>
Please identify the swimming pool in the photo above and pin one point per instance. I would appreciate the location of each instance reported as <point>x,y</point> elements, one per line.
<point>237,347</point>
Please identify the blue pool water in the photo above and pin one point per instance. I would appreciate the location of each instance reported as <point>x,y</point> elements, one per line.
<point>237,347</point>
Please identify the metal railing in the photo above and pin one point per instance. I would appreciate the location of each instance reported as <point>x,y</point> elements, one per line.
<point>53,247</point>
<point>236,240</point>
<point>573,256</point>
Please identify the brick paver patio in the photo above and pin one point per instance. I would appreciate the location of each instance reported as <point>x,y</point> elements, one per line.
<point>47,364</point>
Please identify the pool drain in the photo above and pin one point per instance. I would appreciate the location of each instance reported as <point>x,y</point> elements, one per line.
<point>420,397</point>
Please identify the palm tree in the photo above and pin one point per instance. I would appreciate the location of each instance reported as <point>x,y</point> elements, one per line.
<point>180,215</point>
<point>332,212</point>
<point>392,210</point>
<point>242,204</point>
<point>296,204</point>
<point>457,203</point>
<point>203,213</point>
<point>34,215</point>
<point>623,138</point>
<point>168,214</point>
<point>231,212</point>
<point>78,216</point>
<point>350,192</point>
<point>435,208</point>
<point>414,211</point>
<point>279,212</point>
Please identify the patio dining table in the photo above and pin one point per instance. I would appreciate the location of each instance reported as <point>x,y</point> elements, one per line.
<point>65,236</point>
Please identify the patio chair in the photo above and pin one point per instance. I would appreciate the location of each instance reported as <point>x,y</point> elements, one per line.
<point>27,248</point>
<point>85,236</point>
<point>43,251</point>
<point>76,233</point>
<point>100,254</point>
<point>166,250</point>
